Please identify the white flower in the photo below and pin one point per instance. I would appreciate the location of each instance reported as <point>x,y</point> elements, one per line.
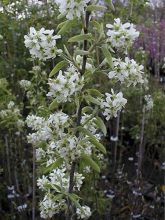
<point>42,182</point>
<point>25,84</point>
<point>49,206</point>
<point>66,85</point>
<point>128,72</point>
<point>40,153</point>
<point>42,43</point>
<point>35,122</point>
<point>83,213</point>
<point>148,102</point>
<point>10,105</point>
<point>72,8</point>
<point>112,104</point>
<point>121,35</point>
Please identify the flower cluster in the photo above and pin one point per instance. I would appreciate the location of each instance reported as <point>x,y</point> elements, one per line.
<point>59,179</point>
<point>50,206</point>
<point>45,129</point>
<point>128,72</point>
<point>66,85</point>
<point>72,8</point>
<point>12,114</point>
<point>25,84</point>
<point>121,35</point>
<point>112,104</point>
<point>42,43</point>
<point>148,102</point>
<point>83,213</point>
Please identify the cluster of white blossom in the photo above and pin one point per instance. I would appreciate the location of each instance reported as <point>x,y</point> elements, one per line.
<point>46,129</point>
<point>121,35</point>
<point>12,113</point>
<point>148,102</point>
<point>83,213</point>
<point>42,43</point>
<point>64,145</point>
<point>54,131</point>
<point>50,206</point>
<point>66,85</point>
<point>72,8</point>
<point>25,84</point>
<point>59,179</point>
<point>112,104</point>
<point>128,71</point>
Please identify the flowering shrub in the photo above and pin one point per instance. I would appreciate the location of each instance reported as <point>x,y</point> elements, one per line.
<point>64,138</point>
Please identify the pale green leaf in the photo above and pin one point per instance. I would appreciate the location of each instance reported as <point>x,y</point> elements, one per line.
<point>58,67</point>
<point>80,37</point>
<point>107,55</point>
<point>53,105</point>
<point>100,124</point>
<point>90,162</point>
<point>53,166</point>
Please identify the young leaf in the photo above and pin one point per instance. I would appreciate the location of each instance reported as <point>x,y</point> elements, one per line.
<point>87,109</point>
<point>66,26</point>
<point>53,105</point>
<point>53,166</point>
<point>97,144</point>
<point>58,67</point>
<point>99,122</point>
<point>81,52</point>
<point>74,198</point>
<point>89,98</point>
<point>92,139</point>
<point>80,37</point>
<point>67,52</point>
<point>94,92</point>
<point>90,162</point>
<point>110,4</point>
<point>107,55</point>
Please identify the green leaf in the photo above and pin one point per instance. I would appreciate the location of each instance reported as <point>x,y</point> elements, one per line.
<point>110,4</point>
<point>53,105</point>
<point>74,198</point>
<point>87,109</point>
<point>59,26</point>
<point>96,25</point>
<point>58,197</point>
<point>94,92</point>
<point>99,122</point>
<point>67,52</point>
<point>80,37</point>
<point>66,26</point>
<point>107,55</point>
<point>81,52</point>
<point>90,162</point>
<point>53,166</point>
<point>96,8</point>
<point>58,67</point>
<point>92,139</point>
<point>91,99</point>
<point>98,145</point>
